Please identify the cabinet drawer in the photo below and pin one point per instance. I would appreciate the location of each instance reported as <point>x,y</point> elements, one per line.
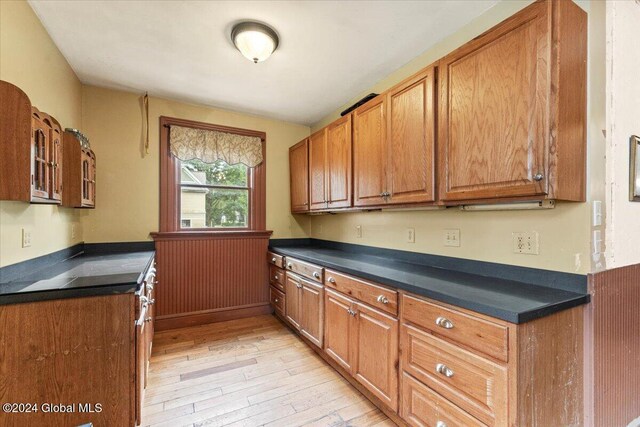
<point>422,407</point>
<point>374,295</point>
<point>276,298</point>
<point>473,332</point>
<point>305,269</point>
<point>275,259</point>
<point>476,384</point>
<point>276,277</point>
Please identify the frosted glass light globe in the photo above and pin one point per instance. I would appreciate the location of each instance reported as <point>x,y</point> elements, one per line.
<point>255,41</point>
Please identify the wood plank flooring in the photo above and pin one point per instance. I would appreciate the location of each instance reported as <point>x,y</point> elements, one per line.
<point>248,372</point>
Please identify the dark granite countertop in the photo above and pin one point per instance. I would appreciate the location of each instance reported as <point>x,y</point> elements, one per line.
<point>79,276</point>
<point>506,299</point>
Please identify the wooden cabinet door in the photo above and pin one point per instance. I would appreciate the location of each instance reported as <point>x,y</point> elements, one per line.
<point>92,179</point>
<point>340,327</point>
<point>86,178</point>
<point>312,311</point>
<point>40,170</point>
<point>299,176</point>
<point>411,136</point>
<point>318,170</point>
<point>376,361</point>
<point>292,300</point>
<point>369,153</point>
<point>493,118</point>
<point>56,163</point>
<point>339,163</point>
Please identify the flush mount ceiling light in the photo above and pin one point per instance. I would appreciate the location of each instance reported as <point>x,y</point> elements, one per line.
<point>254,40</point>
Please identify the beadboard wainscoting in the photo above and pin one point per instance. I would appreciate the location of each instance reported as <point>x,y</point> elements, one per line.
<point>613,347</point>
<point>209,277</point>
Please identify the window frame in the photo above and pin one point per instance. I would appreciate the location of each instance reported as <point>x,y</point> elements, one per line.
<point>170,184</point>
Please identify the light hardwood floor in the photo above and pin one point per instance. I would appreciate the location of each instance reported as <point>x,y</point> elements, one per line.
<point>248,372</point>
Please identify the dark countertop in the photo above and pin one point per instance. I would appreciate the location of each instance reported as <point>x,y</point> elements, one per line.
<point>510,300</point>
<point>79,276</point>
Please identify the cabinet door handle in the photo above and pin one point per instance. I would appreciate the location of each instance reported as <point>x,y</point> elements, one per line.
<point>445,323</point>
<point>290,266</point>
<point>273,260</point>
<point>298,285</point>
<point>331,280</point>
<point>275,277</point>
<point>316,274</point>
<point>443,369</point>
<point>383,299</point>
<point>538,176</point>
<point>276,300</point>
<point>441,424</point>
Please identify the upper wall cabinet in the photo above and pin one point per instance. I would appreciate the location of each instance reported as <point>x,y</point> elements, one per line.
<point>31,154</point>
<point>318,170</point>
<point>370,153</point>
<point>339,163</point>
<point>394,145</point>
<point>330,166</point>
<point>411,140</point>
<point>513,107</point>
<point>79,172</point>
<point>299,176</point>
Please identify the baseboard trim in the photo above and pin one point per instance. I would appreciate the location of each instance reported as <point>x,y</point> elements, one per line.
<point>164,323</point>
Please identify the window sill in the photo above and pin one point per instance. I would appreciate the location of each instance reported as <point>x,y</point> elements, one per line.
<point>205,234</point>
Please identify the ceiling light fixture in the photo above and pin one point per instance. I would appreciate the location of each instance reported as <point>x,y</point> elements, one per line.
<point>254,40</point>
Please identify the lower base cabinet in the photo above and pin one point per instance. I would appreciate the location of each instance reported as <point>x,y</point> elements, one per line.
<point>364,341</point>
<point>304,307</point>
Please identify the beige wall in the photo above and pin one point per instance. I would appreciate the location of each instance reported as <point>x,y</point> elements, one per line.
<point>623,120</point>
<point>127,178</point>
<point>565,232</point>
<point>30,60</point>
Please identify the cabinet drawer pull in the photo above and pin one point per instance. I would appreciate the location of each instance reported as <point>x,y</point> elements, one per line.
<point>443,369</point>
<point>273,260</point>
<point>275,276</point>
<point>298,285</point>
<point>441,424</point>
<point>383,299</point>
<point>316,274</point>
<point>331,280</point>
<point>443,322</point>
<point>290,266</point>
<point>352,312</point>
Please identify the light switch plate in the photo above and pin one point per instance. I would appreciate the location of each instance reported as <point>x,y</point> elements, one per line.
<point>452,237</point>
<point>411,235</point>
<point>26,238</point>
<point>359,231</point>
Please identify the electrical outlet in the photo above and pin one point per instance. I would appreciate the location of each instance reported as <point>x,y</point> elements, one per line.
<point>26,238</point>
<point>359,231</point>
<point>411,235</point>
<point>526,243</point>
<point>597,213</point>
<point>452,237</point>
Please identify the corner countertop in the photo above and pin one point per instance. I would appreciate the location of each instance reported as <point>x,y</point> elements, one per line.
<point>506,299</point>
<point>79,276</point>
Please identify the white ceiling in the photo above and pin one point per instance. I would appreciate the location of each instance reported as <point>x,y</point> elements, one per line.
<point>329,51</point>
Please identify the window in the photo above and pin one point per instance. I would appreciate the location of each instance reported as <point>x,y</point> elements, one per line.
<point>216,196</point>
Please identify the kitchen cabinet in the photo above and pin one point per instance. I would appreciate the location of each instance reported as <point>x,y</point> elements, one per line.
<point>394,145</point>
<point>79,173</point>
<point>370,153</point>
<point>330,166</point>
<point>304,307</point>
<point>339,159</point>
<point>411,140</point>
<point>299,176</point>
<point>512,110</point>
<point>364,341</point>
<point>318,170</point>
<point>31,162</point>
<point>145,326</point>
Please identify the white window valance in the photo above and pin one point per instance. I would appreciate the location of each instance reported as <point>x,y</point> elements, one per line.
<point>210,145</point>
